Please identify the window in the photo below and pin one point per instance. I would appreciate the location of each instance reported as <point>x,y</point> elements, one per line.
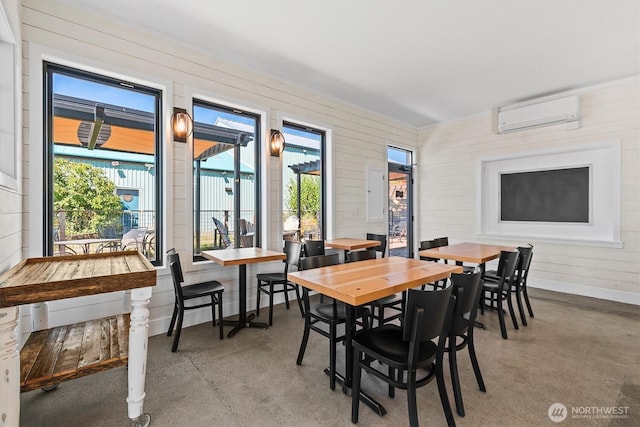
<point>303,194</point>
<point>103,167</point>
<point>225,178</point>
<point>8,159</point>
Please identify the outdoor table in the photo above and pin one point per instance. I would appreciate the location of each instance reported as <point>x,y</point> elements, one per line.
<point>241,257</point>
<point>362,282</point>
<point>85,243</point>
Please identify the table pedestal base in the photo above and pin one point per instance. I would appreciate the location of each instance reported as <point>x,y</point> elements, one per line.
<point>364,397</point>
<point>247,323</point>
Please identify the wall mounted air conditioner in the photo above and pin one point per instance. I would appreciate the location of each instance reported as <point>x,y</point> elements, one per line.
<point>525,116</point>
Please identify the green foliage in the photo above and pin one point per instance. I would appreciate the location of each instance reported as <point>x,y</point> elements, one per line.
<point>309,195</point>
<point>85,194</point>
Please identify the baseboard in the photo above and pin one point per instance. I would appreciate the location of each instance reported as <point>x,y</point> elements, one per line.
<point>587,291</point>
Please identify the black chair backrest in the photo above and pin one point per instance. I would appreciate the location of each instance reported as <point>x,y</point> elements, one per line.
<point>428,244</point>
<point>313,247</point>
<point>466,288</point>
<point>435,305</point>
<point>308,263</point>
<point>361,256</point>
<point>441,241</point>
<point>507,265</point>
<point>382,238</point>
<point>292,251</point>
<point>172,256</point>
<point>524,262</point>
<point>176,272</point>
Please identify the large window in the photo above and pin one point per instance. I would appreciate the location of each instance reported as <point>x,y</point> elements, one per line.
<point>103,168</point>
<point>225,178</point>
<point>303,183</point>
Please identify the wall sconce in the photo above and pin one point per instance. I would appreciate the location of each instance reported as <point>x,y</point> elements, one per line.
<point>276,143</point>
<point>181,124</point>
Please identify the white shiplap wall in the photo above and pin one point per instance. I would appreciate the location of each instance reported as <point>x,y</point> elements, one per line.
<point>11,198</point>
<point>449,160</point>
<point>358,138</point>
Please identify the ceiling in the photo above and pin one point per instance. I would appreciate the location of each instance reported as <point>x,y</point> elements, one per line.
<point>417,61</point>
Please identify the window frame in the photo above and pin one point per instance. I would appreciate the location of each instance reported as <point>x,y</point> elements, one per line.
<point>204,102</point>
<point>51,67</point>
<point>323,169</point>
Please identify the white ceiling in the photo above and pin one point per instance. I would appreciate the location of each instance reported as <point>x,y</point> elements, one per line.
<point>418,61</point>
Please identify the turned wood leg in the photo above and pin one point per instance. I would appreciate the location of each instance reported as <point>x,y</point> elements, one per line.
<point>138,339</point>
<point>9,368</point>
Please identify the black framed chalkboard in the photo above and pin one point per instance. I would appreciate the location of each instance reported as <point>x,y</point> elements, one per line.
<point>555,195</point>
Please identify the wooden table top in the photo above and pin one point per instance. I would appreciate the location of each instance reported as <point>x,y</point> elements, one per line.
<point>478,253</point>
<point>237,256</point>
<point>350,244</point>
<point>51,278</point>
<point>361,282</point>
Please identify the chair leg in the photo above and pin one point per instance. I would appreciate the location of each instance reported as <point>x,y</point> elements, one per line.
<point>526,300</point>
<point>220,316</point>
<point>270,303</point>
<point>355,386</point>
<point>213,310</point>
<point>299,300</point>
<point>520,306</point>
<point>173,319</point>
<point>455,378</point>
<point>411,398</point>
<point>503,327</point>
<point>258,292</point>
<point>442,390</point>
<point>303,343</point>
<point>176,337</point>
<point>512,312</point>
<point>392,389</point>
<point>474,361</point>
<point>286,296</point>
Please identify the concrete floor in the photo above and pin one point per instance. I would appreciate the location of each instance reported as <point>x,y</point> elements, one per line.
<point>578,351</point>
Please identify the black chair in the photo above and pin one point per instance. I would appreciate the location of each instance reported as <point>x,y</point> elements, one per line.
<point>313,248</point>
<point>392,302</point>
<point>519,285</point>
<point>212,289</point>
<point>407,349</point>
<point>499,291</point>
<point>267,281</point>
<point>466,289</point>
<point>382,247</point>
<point>332,314</point>
<point>428,244</point>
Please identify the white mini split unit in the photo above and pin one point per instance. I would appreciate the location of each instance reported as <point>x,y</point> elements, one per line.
<point>543,113</point>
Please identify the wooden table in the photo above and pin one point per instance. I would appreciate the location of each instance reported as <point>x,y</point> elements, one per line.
<point>476,253</point>
<point>360,283</point>
<point>349,244</point>
<point>54,355</point>
<point>241,257</point>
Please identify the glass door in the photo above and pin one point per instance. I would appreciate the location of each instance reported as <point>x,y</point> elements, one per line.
<point>400,202</point>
